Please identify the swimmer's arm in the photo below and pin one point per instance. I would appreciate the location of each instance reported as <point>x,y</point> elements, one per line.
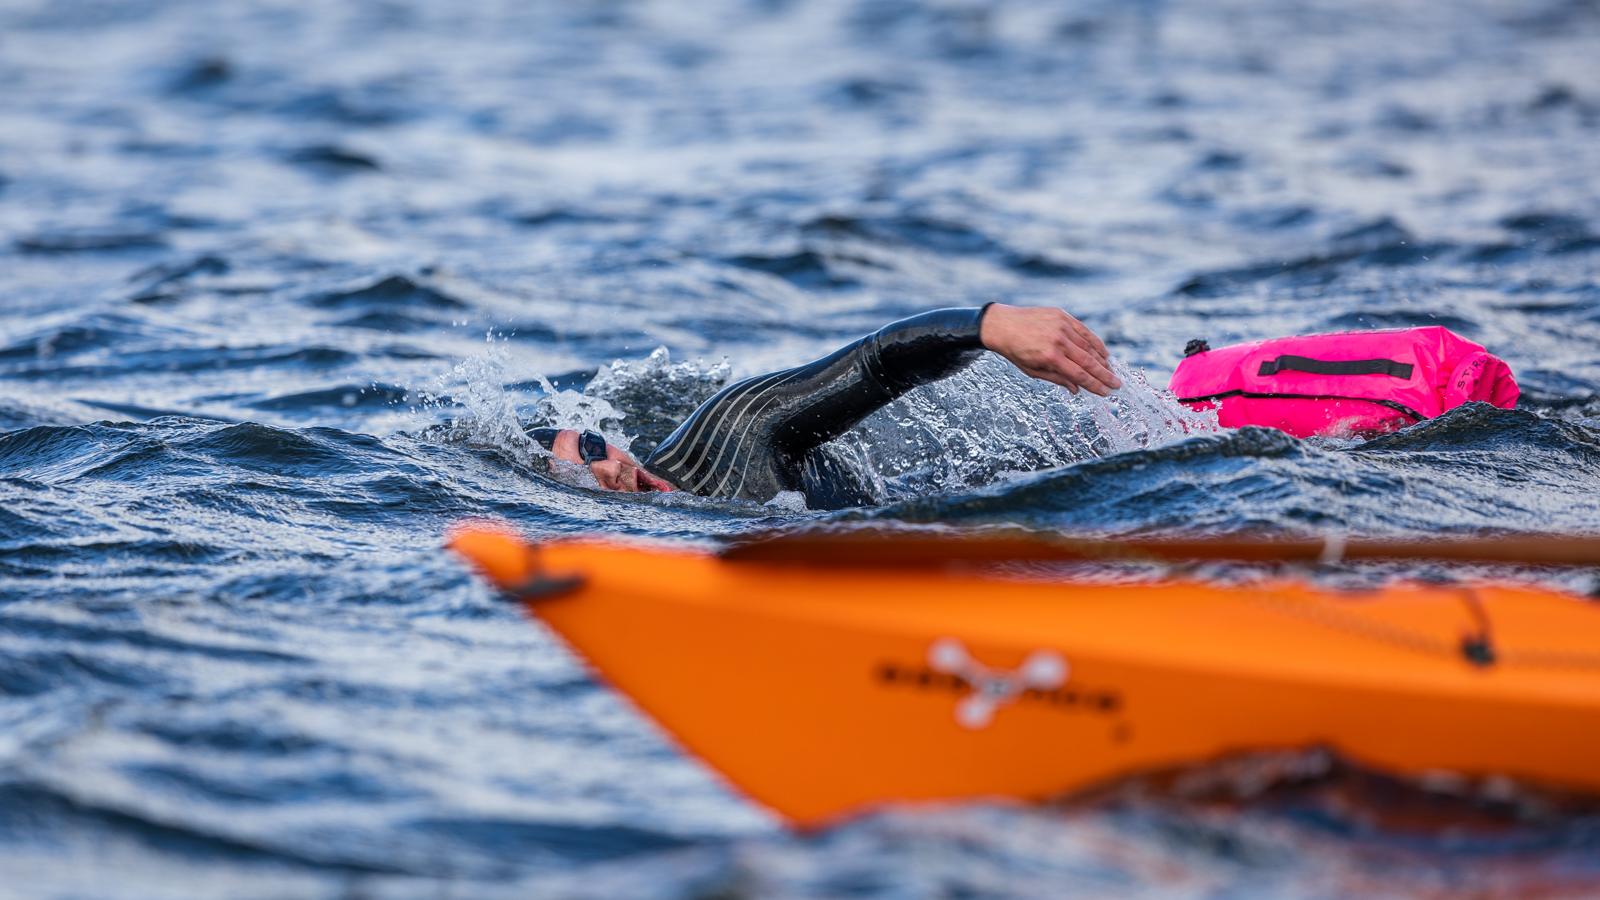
<point>806,406</point>
<point>848,385</point>
<point>829,396</point>
<point>1043,342</point>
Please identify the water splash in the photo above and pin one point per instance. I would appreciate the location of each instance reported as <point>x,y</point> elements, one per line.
<point>991,421</point>
<point>788,501</point>
<point>1141,416</point>
<point>657,393</point>
<point>578,410</point>
<point>485,413</point>
<point>488,412</point>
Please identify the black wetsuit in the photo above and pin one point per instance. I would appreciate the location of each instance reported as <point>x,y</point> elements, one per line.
<point>765,434</point>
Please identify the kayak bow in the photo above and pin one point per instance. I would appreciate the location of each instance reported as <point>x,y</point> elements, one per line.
<point>822,690</point>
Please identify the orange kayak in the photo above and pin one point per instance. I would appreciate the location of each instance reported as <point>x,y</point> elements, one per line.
<point>823,690</point>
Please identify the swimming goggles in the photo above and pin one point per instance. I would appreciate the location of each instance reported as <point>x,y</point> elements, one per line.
<point>591,444</point>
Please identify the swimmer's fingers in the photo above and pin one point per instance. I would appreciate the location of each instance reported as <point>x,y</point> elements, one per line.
<point>1071,331</point>
<point>1066,373</point>
<point>1053,378</point>
<point>1097,376</point>
<point>1069,375</point>
<point>1092,363</point>
<point>1089,338</point>
<point>1076,373</point>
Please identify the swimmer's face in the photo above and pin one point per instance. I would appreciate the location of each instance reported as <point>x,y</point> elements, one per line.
<point>617,472</point>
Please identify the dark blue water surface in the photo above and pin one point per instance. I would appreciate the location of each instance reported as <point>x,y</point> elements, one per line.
<point>279,280</point>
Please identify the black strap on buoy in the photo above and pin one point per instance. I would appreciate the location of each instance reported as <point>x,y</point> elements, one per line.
<point>1198,345</point>
<point>1387,367</point>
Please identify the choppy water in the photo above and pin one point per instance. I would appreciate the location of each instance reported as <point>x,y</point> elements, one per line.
<point>279,279</point>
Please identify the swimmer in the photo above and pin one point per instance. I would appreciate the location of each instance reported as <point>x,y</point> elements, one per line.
<point>768,434</point>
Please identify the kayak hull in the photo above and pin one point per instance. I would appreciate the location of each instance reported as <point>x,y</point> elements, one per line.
<point>823,691</point>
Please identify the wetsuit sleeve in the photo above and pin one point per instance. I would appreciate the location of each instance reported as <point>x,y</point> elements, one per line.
<point>749,440</point>
<point>880,367</point>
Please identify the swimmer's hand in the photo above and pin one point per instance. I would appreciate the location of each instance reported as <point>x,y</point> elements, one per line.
<point>1049,345</point>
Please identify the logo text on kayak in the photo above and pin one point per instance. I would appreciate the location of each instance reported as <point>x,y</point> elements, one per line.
<point>1040,679</point>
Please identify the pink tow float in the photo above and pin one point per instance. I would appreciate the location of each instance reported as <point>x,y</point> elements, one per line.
<point>1351,383</point>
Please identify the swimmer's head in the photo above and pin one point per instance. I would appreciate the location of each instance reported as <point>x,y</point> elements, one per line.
<point>612,467</point>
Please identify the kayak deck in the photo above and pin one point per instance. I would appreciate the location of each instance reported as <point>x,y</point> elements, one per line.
<point>821,691</point>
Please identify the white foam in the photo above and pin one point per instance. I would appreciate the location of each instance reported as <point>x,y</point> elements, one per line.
<point>991,420</point>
